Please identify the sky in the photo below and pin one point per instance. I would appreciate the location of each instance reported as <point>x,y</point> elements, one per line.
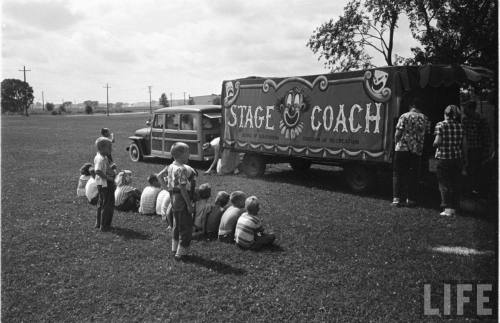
<point>75,47</point>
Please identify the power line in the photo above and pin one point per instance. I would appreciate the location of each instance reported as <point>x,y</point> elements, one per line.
<point>107,98</point>
<point>24,70</point>
<point>150,109</point>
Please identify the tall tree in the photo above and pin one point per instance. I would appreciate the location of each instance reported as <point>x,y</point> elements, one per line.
<point>455,32</point>
<point>364,24</point>
<point>17,96</point>
<point>163,100</point>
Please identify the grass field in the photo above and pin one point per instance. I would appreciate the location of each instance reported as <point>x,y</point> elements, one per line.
<point>340,256</point>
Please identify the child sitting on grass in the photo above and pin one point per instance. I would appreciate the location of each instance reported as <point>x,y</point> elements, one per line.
<point>182,208</point>
<point>91,191</point>
<point>202,207</point>
<point>231,215</point>
<point>249,230</point>
<point>149,195</point>
<point>213,218</point>
<point>82,181</point>
<point>127,198</point>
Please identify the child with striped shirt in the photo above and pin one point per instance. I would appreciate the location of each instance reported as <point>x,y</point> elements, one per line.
<point>249,232</point>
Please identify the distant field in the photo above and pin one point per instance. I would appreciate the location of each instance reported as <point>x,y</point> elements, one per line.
<point>340,256</point>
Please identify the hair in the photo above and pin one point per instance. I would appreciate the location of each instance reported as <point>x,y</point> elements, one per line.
<point>252,205</point>
<point>102,142</point>
<point>238,198</point>
<point>119,179</point>
<point>84,170</point>
<point>153,180</point>
<point>204,191</point>
<point>416,102</point>
<point>123,178</point>
<point>452,112</point>
<point>105,132</point>
<point>222,198</point>
<point>178,149</point>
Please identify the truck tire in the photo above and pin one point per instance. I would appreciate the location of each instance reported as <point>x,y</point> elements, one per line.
<point>300,164</point>
<point>360,179</point>
<point>253,165</point>
<point>134,153</point>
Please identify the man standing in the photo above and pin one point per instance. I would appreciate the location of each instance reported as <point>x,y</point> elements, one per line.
<point>411,130</point>
<point>477,134</point>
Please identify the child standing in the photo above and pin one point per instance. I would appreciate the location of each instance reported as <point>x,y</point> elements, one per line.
<point>149,196</point>
<point>84,177</point>
<point>249,231</point>
<point>126,197</point>
<point>105,184</point>
<point>177,180</point>
<point>202,208</point>
<point>213,218</point>
<point>231,215</point>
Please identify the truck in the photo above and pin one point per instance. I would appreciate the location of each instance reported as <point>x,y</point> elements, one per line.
<point>342,119</point>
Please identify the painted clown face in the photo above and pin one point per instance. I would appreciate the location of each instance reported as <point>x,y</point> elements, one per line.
<point>291,125</point>
<point>379,80</point>
<point>229,90</point>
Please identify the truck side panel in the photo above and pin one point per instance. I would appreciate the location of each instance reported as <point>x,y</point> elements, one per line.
<point>321,117</point>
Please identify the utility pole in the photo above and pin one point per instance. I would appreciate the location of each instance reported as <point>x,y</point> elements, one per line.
<point>24,70</point>
<point>107,98</point>
<point>184,98</point>
<point>43,102</point>
<point>150,109</point>
<point>171,102</point>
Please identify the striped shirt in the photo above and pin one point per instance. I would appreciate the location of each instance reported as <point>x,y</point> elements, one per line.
<point>121,194</point>
<point>452,135</point>
<point>246,228</point>
<point>148,200</point>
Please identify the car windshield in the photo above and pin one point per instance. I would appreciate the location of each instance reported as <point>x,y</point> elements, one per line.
<point>211,122</point>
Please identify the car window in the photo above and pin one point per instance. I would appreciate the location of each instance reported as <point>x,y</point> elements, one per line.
<point>172,121</point>
<point>210,123</point>
<point>158,121</point>
<point>189,122</point>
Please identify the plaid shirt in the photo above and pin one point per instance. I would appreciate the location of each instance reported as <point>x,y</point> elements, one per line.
<point>452,135</point>
<point>476,132</point>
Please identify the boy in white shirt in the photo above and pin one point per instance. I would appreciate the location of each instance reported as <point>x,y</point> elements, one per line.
<point>149,196</point>
<point>104,178</point>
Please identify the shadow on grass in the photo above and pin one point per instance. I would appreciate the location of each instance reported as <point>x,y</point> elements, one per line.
<point>129,234</point>
<point>215,265</point>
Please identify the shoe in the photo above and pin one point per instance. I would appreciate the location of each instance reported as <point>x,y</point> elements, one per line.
<point>410,203</point>
<point>396,202</point>
<point>453,212</point>
<point>179,258</point>
<point>447,212</point>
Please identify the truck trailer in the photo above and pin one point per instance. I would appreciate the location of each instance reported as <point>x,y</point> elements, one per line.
<point>343,119</point>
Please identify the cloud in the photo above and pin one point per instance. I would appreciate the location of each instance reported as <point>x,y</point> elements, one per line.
<point>44,15</point>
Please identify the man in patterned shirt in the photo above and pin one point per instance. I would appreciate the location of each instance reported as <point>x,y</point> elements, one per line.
<point>411,130</point>
<point>477,133</point>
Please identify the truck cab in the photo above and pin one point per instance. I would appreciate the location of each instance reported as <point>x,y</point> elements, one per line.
<point>194,125</point>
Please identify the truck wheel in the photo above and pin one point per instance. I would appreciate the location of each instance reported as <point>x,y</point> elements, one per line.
<point>300,164</point>
<point>359,178</point>
<point>253,165</point>
<point>134,152</point>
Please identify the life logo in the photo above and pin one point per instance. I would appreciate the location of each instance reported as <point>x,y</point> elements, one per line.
<point>291,106</point>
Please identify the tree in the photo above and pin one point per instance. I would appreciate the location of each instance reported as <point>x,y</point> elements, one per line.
<point>216,100</point>
<point>364,23</point>
<point>163,100</point>
<point>455,32</point>
<point>191,101</point>
<point>17,96</point>
<point>49,106</point>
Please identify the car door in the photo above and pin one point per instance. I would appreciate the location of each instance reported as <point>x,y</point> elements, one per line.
<point>189,126</point>
<point>171,132</point>
<point>157,135</point>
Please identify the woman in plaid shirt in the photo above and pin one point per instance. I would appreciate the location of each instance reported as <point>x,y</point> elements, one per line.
<point>450,144</point>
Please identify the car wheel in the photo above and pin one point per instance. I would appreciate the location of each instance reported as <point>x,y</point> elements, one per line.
<point>134,152</point>
<point>359,178</point>
<point>253,165</point>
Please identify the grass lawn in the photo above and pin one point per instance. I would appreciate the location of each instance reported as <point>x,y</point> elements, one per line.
<point>340,256</point>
